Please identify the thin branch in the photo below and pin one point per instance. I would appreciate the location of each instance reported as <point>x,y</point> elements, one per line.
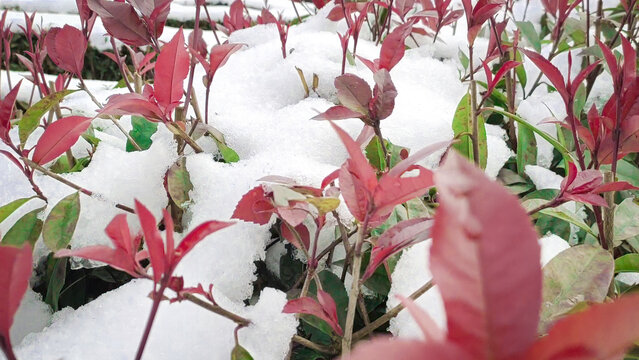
<point>317,347</point>
<point>217,310</point>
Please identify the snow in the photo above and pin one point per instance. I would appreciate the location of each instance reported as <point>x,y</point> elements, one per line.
<point>32,317</point>
<point>96,330</point>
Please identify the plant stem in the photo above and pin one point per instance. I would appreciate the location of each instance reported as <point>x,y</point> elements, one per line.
<point>317,347</point>
<point>354,293</point>
<point>7,349</point>
<point>391,313</point>
<point>609,216</point>
<point>84,87</point>
<point>473,108</point>
<point>217,310</point>
<point>193,60</point>
<point>66,182</point>
<point>116,52</point>
<point>179,132</point>
<point>157,298</point>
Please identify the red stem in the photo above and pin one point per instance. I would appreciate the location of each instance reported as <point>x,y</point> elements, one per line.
<point>157,298</point>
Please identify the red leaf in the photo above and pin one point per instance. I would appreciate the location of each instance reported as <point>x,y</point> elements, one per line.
<point>357,163</point>
<point>158,16</point>
<point>393,47</point>
<point>325,309</point>
<point>395,190</point>
<point>15,271</point>
<point>614,186</point>
<point>507,66</point>
<point>220,54</point>
<point>302,231</point>
<point>385,348</point>
<point>611,60</point>
<point>603,331</point>
<point>153,240</point>
<point>121,21</point>
<point>119,233</point>
<point>551,72</point>
<point>116,258</point>
<point>384,95</point>
<point>132,104</point>
<point>6,112</point>
<point>198,234</point>
<point>395,239</point>
<point>83,9</point>
<point>254,207</point>
<point>66,47</point>
<point>59,137</point>
<point>337,112</point>
<point>171,69</point>
<point>353,92</point>
<point>629,62</point>
<point>476,220</point>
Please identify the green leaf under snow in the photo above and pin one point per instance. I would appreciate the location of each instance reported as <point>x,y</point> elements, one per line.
<point>229,155</point>
<point>142,131</point>
<point>58,268</point>
<point>26,230</point>
<point>32,116</point>
<point>333,285</point>
<point>60,224</point>
<point>179,184</point>
<point>581,273</point>
<point>463,128</point>
<point>8,209</point>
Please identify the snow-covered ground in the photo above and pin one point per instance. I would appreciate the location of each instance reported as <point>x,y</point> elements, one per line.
<point>258,103</point>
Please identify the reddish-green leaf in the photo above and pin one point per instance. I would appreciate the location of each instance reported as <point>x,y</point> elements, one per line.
<point>353,92</point>
<point>492,296</point>
<point>66,47</point>
<point>15,271</point>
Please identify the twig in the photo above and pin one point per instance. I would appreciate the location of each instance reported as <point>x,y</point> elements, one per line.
<point>217,310</point>
<point>317,347</point>
<point>390,314</point>
<point>72,185</point>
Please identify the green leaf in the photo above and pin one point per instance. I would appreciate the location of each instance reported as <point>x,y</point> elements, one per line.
<point>8,209</point>
<point>179,184</point>
<point>142,131</point>
<point>526,149</point>
<point>560,212</point>
<point>376,157</point>
<point>240,353</point>
<point>528,31</point>
<point>627,263</point>
<point>463,127</point>
<point>626,225</point>
<point>333,285</point>
<point>580,100</point>
<point>580,273</point>
<point>626,171</point>
<point>463,59</point>
<point>520,71</point>
<point>229,155</point>
<point>56,282</point>
<point>31,118</point>
<point>60,224</point>
<point>26,229</point>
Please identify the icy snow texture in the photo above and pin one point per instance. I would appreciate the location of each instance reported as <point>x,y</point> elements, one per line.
<point>543,178</point>
<point>33,315</point>
<point>551,246</point>
<point>117,319</point>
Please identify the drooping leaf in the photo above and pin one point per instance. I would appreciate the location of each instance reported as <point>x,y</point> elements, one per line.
<point>353,92</point>
<point>463,128</point>
<point>171,69</point>
<point>31,118</point>
<point>26,230</point>
<point>59,137</point>
<point>141,132</point>
<point>60,224</point>
<point>15,271</point>
<point>121,21</point>
<point>338,112</point>
<point>384,94</point>
<point>397,238</point>
<point>476,220</point>
<point>580,273</point>
<point>132,104</point>
<point>7,210</point>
